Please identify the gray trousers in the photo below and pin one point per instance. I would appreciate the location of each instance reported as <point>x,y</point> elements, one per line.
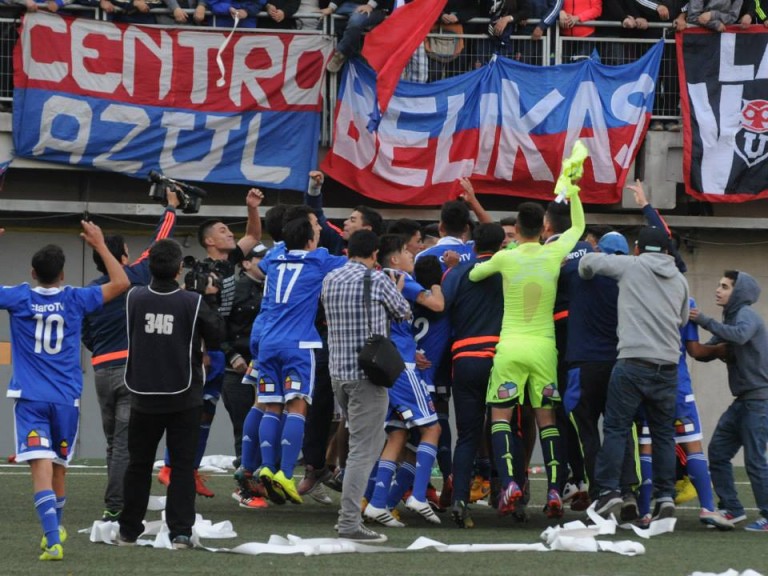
<point>365,408</point>
<point>115,404</point>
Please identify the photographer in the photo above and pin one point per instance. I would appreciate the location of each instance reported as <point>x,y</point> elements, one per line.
<point>167,327</point>
<point>223,254</point>
<point>104,334</point>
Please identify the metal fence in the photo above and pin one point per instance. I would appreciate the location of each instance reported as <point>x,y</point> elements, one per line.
<point>476,49</point>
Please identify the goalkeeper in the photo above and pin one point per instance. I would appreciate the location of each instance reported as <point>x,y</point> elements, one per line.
<point>526,357</point>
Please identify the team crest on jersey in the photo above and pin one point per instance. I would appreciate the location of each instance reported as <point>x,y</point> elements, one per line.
<point>550,391</point>
<point>266,387</point>
<point>684,426</point>
<point>752,137</point>
<point>64,449</point>
<point>290,384</point>
<point>34,440</point>
<point>507,391</point>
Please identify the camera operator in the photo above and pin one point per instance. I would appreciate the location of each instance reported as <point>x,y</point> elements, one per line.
<point>167,327</point>
<point>104,334</point>
<point>223,254</point>
<point>237,396</point>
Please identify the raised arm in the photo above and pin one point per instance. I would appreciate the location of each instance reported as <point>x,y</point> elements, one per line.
<point>253,227</point>
<point>118,280</point>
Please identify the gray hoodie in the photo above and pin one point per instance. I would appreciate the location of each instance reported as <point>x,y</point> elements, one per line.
<point>744,329</point>
<point>652,306</point>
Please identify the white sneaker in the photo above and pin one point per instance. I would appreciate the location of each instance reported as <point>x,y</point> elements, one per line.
<point>382,516</point>
<point>320,494</point>
<point>336,62</point>
<point>423,509</point>
<point>715,519</point>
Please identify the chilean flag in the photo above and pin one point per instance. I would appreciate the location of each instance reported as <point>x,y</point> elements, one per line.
<point>389,46</point>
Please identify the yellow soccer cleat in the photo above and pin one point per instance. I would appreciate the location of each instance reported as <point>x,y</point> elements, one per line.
<point>288,486</point>
<point>55,552</point>
<point>685,490</point>
<point>62,538</point>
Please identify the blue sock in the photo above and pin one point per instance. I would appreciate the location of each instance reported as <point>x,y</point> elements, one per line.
<point>371,482</point>
<point>646,484</point>
<point>698,472</point>
<point>269,437</point>
<point>403,481</point>
<point>293,434</point>
<point>60,503</point>
<point>425,458</point>
<point>444,460</point>
<point>501,441</point>
<point>278,447</point>
<point>45,505</point>
<point>251,453</point>
<point>383,482</point>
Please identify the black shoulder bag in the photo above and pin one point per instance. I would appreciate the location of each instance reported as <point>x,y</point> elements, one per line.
<point>379,357</point>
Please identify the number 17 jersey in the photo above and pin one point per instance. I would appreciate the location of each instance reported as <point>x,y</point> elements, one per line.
<point>294,281</point>
<point>45,340</point>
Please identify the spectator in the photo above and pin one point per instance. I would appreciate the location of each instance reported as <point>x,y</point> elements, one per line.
<point>279,15</point>
<point>225,12</point>
<point>714,14</point>
<point>364,404</point>
<point>362,17</point>
<point>752,12</point>
<point>572,13</point>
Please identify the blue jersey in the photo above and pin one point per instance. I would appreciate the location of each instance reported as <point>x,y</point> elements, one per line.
<point>464,249</point>
<point>258,322</point>
<point>401,332</point>
<point>688,333</point>
<point>291,294</point>
<point>45,340</point>
<point>432,333</point>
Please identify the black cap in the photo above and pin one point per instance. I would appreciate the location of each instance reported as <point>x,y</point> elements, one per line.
<point>258,251</point>
<point>652,239</point>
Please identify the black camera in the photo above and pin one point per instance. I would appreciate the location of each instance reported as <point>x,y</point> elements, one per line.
<point>200,271</point>
<point>189,196</point>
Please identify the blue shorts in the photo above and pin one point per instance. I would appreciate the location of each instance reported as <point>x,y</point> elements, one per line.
<point>285,374</point>
<point>687,424</point>
<point>409,402</point>
<point>45,430</point>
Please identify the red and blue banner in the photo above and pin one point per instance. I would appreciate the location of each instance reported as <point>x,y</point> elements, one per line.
<point>130,99</point>
<point>724,96</point>
<point>506,126</point>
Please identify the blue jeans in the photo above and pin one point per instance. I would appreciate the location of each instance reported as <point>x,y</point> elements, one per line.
<point>745,423</point>
<point>352,30</point>
<point>634,384</point>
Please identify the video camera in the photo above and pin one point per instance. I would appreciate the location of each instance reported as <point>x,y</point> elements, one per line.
<point>200,271</point>
<point>189,196</point>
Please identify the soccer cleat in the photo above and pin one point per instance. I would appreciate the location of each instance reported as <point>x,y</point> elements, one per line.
<point>570,490</point>
<point>715,519</point>
<point>182,542</point>
<point>288,486</point>
<point>313,479</point>
<point>663,509</point>
<point>363,534</point>
<point>460,515</point>
<point>424,509</point>
<point>581,502</point>
<point>758,526</point>
<point>382,516</point>
<point>629,510</point>
<point>110,516</point>
<point>446,494</point>
<point>164,476</point>
<point>554,506</point>
<point>55,552</point>
<point>62,538</point>
<point>433,499</point>
<point>509,498</point>
<point>246,500</point>
<point>733,518</point>
<point>643,522</point>
<point>320,495</point>
<point>247,482</point>
<point>684,490</point>
<point>396,514</point>
<point>200,486</point>
<point>520,513</point>
<point>479,489</point>
<point>608,503</point>
<point>274,490</point>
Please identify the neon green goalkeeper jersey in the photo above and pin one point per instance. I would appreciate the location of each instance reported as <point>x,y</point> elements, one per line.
<point>530,275</point>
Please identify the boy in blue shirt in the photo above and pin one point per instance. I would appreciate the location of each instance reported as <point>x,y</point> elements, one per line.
<point>47,378</point>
